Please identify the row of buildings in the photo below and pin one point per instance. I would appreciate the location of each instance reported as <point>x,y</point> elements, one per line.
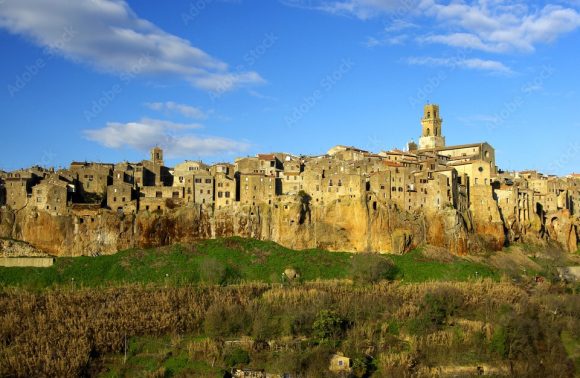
<point>429,176</point>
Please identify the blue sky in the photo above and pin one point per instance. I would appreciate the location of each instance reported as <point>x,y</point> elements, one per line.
<point>104,80</point>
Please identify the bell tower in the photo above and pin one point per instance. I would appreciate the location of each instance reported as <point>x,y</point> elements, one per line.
<point>157,155</point>
<point>431,136</point>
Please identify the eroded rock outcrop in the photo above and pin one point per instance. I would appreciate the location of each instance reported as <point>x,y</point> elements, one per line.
<point>346,225</point>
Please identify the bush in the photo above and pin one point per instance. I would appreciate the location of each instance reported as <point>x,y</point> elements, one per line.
<point>237,357</point>
<point>371,268</point>
<point>328,325</point>
<point>437,306</point>
<point>225,319</point>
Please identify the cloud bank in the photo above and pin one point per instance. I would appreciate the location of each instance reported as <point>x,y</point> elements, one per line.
<point>177,139</point>
<point>109,35</point>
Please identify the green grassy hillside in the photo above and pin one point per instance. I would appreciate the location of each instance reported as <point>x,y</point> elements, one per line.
<point>225,261</point>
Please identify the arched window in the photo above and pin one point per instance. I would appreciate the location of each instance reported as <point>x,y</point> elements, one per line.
<point>428,132</point>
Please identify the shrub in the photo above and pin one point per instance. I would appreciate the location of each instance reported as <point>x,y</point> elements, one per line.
<point>225,319</point>
<point>371,268</point>
<point>237,357</point>
<point>328,325</point>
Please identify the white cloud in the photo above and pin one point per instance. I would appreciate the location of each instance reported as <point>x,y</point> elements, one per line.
<point>184,110</point>
<point>110,36</point>
<point>175,138</point>
<point>501,29</point>
<point>486,25</point>
<point>386,40</point>
<point>474,64</point>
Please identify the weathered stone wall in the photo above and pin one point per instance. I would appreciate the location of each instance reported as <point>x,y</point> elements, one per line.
<point>23,262</point>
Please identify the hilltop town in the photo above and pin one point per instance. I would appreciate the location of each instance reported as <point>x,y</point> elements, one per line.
<point>425,181</point>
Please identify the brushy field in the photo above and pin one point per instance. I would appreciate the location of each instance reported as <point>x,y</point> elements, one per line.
<point>201,309</point>
<point>227,261</point>
<point>388,329</point>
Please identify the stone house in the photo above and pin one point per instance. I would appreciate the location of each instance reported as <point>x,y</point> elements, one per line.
<point>122,197</point>
<point>93,179</point>
<point>340,364</point>
<point>187,169</point>
<point>18,186</point>
<point>124,172</point>
<point>291,182</point>
<point>225,190</point>
<point>161,197</point>
<point>380,185</point>
<point>52,196</point>
<point>257,188</point>
<point>347,153</point>
<point>203,188</point>
<point>265,164</point>
<point>225,168</point>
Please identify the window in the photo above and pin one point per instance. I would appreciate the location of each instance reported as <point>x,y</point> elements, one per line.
<point>227,195</point>
<point>158,194</point>
<point>208,181</point>
<point>220,194</point>
<point>198,181</point>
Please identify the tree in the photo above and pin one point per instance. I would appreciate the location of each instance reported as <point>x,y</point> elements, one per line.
<point>328,325</point>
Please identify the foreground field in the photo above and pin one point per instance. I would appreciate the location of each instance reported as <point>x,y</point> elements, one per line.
<point>387,329</point>
<point>203,309</point>
<point>227,261</point>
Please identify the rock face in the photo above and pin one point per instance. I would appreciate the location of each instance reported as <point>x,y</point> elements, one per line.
<point>348,225</point>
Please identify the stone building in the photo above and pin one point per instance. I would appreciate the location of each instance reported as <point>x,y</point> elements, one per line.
<point>124,172</point>
<point>152,172</point>
<point>93,179</point>
<point>187,169</point>
<point>203,188</point>
<point>347,153</point>
<point>122,197</point>
<point>258,188</point>
<point>225,190</point>
<point>225,168</point>
<point>52,196</point>
<point>18,186</point>
<point>265,164</point>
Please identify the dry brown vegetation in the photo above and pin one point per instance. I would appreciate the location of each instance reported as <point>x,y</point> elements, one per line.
<point>388,328</point>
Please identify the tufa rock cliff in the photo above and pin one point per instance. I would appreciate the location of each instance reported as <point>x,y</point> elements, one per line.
<point>346,225</point>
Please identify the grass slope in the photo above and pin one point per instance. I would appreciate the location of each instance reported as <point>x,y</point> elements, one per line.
<point>225,261</point>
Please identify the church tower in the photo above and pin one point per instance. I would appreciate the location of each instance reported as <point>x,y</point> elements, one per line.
<point>431,136</point>
<point>157,155</point>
